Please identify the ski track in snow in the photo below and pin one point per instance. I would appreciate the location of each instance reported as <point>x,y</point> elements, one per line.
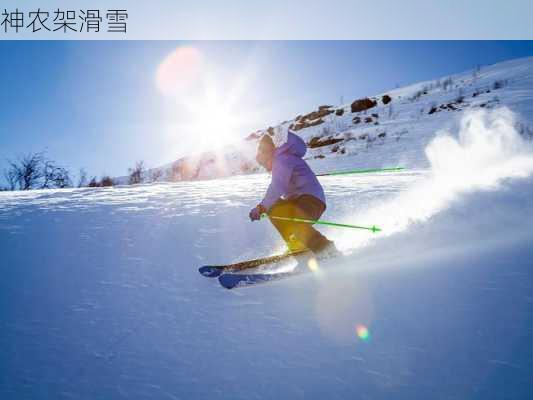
<point>102,298</point>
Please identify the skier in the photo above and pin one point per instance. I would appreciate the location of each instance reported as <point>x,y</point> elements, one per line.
<point>294,192</point>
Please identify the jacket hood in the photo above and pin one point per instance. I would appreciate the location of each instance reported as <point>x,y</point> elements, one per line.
<point>290,143</point>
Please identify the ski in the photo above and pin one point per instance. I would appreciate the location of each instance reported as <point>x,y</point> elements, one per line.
<point>230,281</point>
<point>213,271</point>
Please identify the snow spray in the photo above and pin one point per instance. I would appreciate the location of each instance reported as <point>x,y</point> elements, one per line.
<point>479,155</point>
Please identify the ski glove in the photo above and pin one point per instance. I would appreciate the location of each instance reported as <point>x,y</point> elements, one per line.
<point>255,213</point>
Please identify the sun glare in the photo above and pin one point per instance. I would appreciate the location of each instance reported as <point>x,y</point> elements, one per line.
<point>207,110</point>
<point>213,122</point>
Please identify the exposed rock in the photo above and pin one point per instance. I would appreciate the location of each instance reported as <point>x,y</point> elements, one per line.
<point>313,142</point>
<point>315,123</point>
<point>299,126</point>
<point>386,99</point>
<point>339,112</point>
<point>368,120</point>
<point>363,104</point>
<point>320,142</point>
<point>320,108</point>
<point>356,120</point>
<point>320,156</point>
<point>316,114</point>
<point>375,115</point>
<point>382,135</point>
<point>305,124</point>
<point>453,106</point>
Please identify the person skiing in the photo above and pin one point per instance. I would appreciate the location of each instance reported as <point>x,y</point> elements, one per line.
<point>294,192</point>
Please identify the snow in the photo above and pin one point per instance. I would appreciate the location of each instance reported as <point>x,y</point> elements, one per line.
<point>405,123</point>
<point>101,297</point>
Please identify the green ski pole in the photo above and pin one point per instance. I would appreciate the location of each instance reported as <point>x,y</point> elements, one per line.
<point>372,228</point>
<point>362,171</point>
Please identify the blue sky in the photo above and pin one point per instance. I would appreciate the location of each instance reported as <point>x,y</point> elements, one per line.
<point>95,104</point>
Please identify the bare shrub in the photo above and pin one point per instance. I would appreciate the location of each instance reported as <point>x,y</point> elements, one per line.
<point>136,174</point>
<point>82,178</point>
<point>106,181</point>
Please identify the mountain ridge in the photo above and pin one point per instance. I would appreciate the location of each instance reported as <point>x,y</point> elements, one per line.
<point>385,129</point>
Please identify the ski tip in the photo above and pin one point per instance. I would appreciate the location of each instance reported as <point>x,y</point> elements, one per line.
<point>229,281</point>
<point>209,271</point>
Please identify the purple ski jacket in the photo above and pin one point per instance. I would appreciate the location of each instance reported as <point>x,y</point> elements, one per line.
<point>291,176</point>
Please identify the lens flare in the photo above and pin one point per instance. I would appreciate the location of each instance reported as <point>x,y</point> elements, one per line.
<point>312,264</point>
<point>362,332</point>
<point>179,70</point>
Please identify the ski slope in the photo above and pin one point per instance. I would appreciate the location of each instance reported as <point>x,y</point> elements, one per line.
<point>101,298</point>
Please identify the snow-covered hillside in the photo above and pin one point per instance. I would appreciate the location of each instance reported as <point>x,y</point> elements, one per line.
<point>390,128</point>
<point>101,297</point>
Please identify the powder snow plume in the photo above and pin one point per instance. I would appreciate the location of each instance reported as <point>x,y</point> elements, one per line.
<point>479,155</point>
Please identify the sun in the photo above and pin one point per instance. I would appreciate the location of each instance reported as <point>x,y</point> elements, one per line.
<point>214,122</point>
<point>206,108</point>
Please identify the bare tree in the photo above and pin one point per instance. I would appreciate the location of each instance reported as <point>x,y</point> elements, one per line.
<point>54,176</point>
<point>156,175</point>
<point>26,172</point>
<point>82,179</point>
<point>11,177</point>
<point>48,173</point>
<point>36,171</point>
<point>61,178</point>
<point>136,174</point>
